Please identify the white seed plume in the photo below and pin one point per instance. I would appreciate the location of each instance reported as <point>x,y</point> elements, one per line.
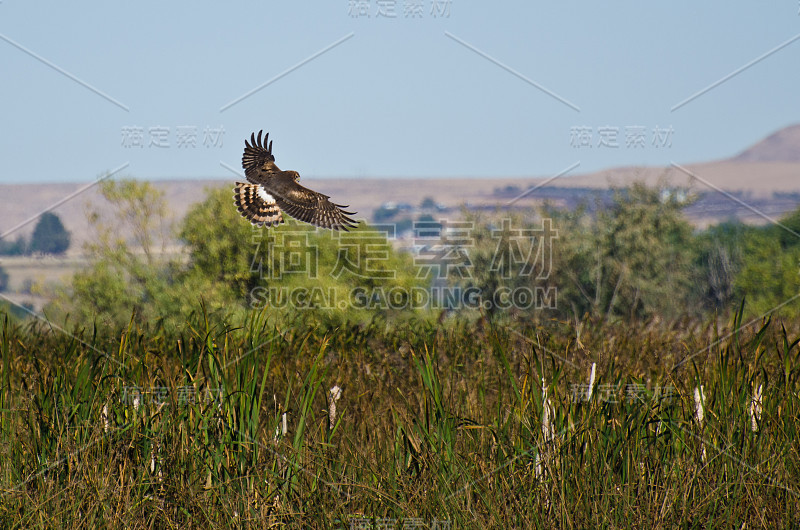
<point>545,450</point>
<point>755,409</point>
<point>334,394</point>
<point>282,428</point>
<point>277,433</point>
<point>104,418</point>
<point>539,468</point>
<point>699,402</point>
<point>547,428</point>
<point>591,383</point>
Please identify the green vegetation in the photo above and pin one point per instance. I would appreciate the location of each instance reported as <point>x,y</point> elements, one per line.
<point>635,259</point>
<point>49,235</point>
<point>433,423</point>
<point>231,267</point>
<point>428,203</point>
<point>384,214</point>
<point>17,247</point>
<point>632,261</point>
<point>769,273</point>
<point>126,277</point>
<point>158,393</point>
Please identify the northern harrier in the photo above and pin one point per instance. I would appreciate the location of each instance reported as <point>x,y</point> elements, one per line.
<point>271,191</point>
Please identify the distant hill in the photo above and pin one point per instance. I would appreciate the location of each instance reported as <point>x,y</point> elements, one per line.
<point>782,146</point>
<point>770,166</point>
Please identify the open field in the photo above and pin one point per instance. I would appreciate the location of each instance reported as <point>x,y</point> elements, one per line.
<point>448,426</point>
<point>26,270</point>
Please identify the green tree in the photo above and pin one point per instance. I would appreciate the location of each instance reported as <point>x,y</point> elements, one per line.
<point>769,272</point>
<point>503,265</point>
<point>788,231</point>
<point>15,248</point>
<point>294,267</point>
<point>128,274</point>
<point>3,279</point>
<point>428,203</point>
<point>647,254</point>
<point>220,244</point>
<point>231,267</point>
<point>635,259</point>
<point>49,235</point>
<point>718,262</point>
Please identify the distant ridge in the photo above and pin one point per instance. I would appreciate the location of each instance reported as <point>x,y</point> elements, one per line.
<point>781,146</point>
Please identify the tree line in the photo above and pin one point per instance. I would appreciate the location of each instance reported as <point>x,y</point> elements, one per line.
<point>49,237</point>
<point>635,258</point>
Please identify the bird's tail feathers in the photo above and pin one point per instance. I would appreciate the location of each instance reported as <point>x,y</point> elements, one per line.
<point>258,208</point>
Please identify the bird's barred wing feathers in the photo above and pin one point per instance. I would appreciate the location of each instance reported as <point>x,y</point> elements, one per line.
<point>307,205</point>
<point>258,157</point>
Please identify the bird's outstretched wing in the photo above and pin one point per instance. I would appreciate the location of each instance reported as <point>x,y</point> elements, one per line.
<point>258,157</point>
<point>307,205</point>
<point>256,205</point>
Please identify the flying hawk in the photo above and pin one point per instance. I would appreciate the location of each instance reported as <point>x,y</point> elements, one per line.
<point>271,191</point>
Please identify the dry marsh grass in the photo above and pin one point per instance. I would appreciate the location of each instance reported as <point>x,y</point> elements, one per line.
<point>439,425</point>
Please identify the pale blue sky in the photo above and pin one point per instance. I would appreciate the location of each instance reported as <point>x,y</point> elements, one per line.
<point>400,97</point>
